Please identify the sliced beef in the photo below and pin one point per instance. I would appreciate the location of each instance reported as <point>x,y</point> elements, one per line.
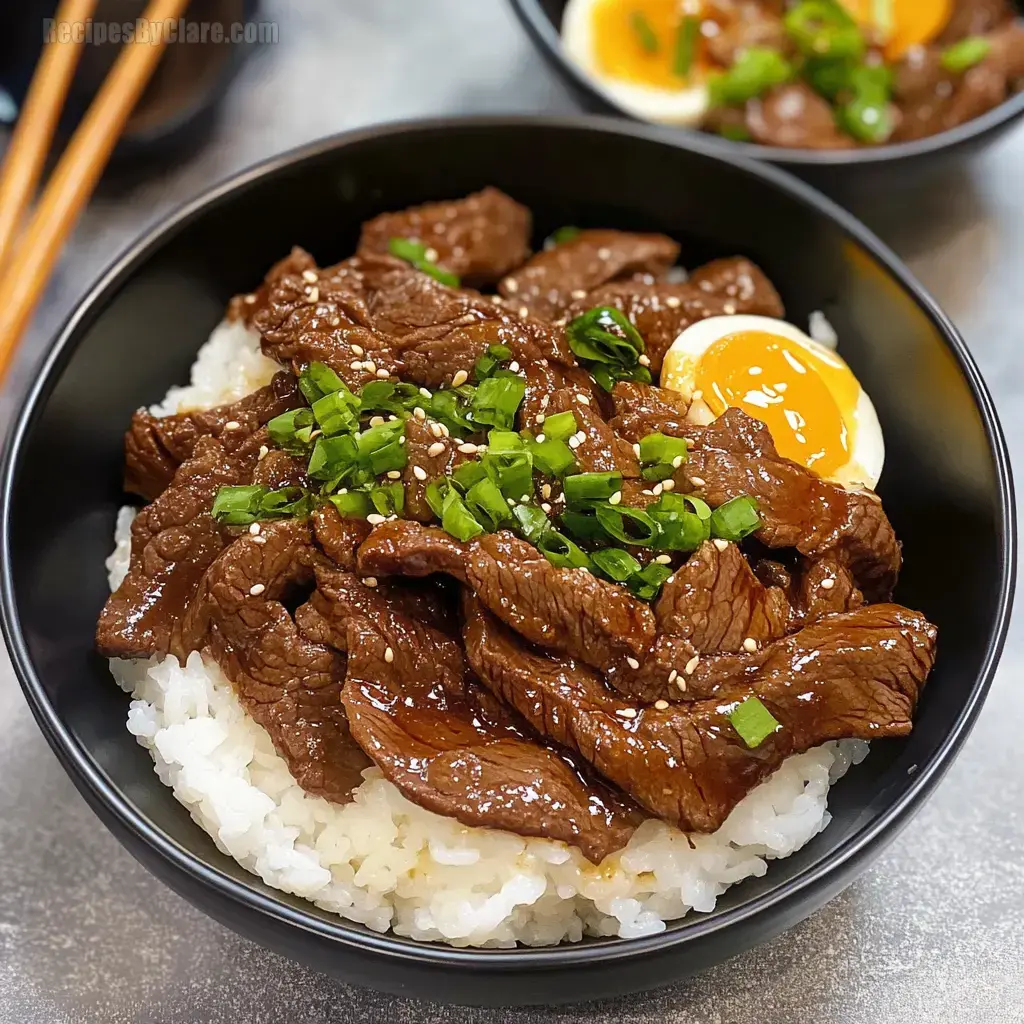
<point>430,456</point>
<point>290,685</point>
<point>174,540</point>
<point>824,587</point>
<point>794,116</point>
<point>339,537</point>
<point>155,446</point>
<point>642,409</point>
<point>717,603</point>
<point>479,238</point>
<point>974,18</point>
<point>744,24</point>
<point>562,609</point>
<point>276,469</point>
<point>661,310</point>
<point>245,307</point>
<point>548,283</point>
<point>856,676</point>
<point>600,450</point>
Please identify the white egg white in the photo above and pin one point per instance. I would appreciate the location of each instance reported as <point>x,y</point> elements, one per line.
<point>685,106</point>
<point>679,372</point>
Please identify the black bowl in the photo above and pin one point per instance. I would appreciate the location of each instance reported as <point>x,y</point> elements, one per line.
<point>947,487</point>
<point>844,172</point>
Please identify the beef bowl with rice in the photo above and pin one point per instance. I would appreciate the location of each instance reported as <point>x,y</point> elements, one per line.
<point>512,573</point>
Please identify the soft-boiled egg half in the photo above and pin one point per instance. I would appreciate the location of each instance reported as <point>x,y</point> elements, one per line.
<point>813,405</point>
<point>901,24</point>
<point>630,49</point>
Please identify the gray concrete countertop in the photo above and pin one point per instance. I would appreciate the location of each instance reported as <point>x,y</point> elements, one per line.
<point>932,934</point>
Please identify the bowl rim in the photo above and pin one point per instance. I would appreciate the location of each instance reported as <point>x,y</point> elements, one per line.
<point>548,36</point>
<point>90,777</point>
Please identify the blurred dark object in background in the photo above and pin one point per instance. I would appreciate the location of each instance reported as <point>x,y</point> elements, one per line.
<point>177,109</point>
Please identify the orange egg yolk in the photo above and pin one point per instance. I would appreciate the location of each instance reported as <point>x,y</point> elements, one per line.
<point>911,22</point>
<point>806,400</point>
<point>636,40</point>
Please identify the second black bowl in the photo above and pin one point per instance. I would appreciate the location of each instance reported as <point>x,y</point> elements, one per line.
<point>946,486</point>
<point>844,172</point>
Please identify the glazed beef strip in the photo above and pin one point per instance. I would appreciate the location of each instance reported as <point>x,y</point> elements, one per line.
<point>563,609</point>
<point>857,676</point>
<point>660,310</point>
<point>479,238</point>
<point>794,116</point>
<point>155,446</point>
<point>547,284</point>
<point>290,685</point>
<point>245,307</point>
<point>174,540</point>
<point>442,740</point>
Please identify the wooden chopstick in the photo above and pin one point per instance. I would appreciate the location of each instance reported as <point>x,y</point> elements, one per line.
<point>73,180</point>
<point>33,134</point>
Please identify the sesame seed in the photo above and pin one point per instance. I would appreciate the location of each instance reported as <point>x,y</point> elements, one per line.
<point>419,413</point>
<point>677,462</point>
<point>673,302</point>
<point>750,645</point>
<point>616,498</point>
<point>316,433</point>
<point>669,484</point>
<point>314,294</point>
<point>664,559</point>
<point>431,255</point>
<point>358,350</point>
<point>681,683</point>
<point>729,309</point>
<point>459,379</point>
<point>643,360</point>
<point>370,366</point>
<point>545,508</point>
<point>574,442</point>
<point>401,440</point>
<point>419,472</point>
<point>636,449</point>
<point>627,712</point>
<point>374,519</point>
<point>540,418</point>
<point>382,373</point>
<point>370,581</point>
<point>541,438</point>
<point>828,584</point>
<point>697,481</point>
<point>633,663</point>
<point>394,474</point>
<point>514,366</point>
<point>721,544</point>
<point>673,675</point>
<point>671,579</point>
<point>250,299</point>
<point>436,449</point>
<point>545,491</point>
<point>259,540</point>
<point>425,393</point>
<point>511,285</point>
<point>445,432</point>
<point>468,448</point>
<point>389,655</point>
<point>583,399</point>
<point>524,498</point>
<point>256,589</point>
<point>511,502</point>
<point>657,489</point>
<point>335,321</point>
<point>264,452</point>
<point>578,293</point>
<point>544,402</point>
<point>254,529</point>
<point>648,492</point>
<point>661,705</point>
<point>604,253</point>
<point>691,665</point>
<point>376,421</point>
<point>356,364</point>
<point>582,435</point>
<point>309,276</point>
<point>524,312</point>
<point>232,425</point>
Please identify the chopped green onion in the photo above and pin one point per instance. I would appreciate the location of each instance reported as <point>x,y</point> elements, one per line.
<point>647,583</point>
<point>381,448</point>
<point>562,552</point>
<point>291,430</point>
<point>456,518</point>
<point>823,28</point>
<point>286,503</point>
<point>494,357</point>
<point>591,337</point>
<point>351,504</point>
<point>337,412</point>
<point>659,454</point>
<point>608,377</point>
<point>332,457</point>
<point>616,564</point>
<point>388,499</point>
<point>468,474</point>
<point>687,38</point>
<point>388,396</point>
<point>551,457</point>
<point>237,506</point>
<point>488,503</point>
<point>560,426</point>
<point>436,490</point>
<point>416,253</point>
<point>509,463</point>
<point>867,116</point>
<point>497,399</point>
<point>584,488</point>
<point>735,133</point>
<point>962,56</point>
<point>753,721</point>
<point>533,524</point>
<point>628,525</point>
<point>564,234</point>
<point>451,407</point>
<point>757,70</point>
<point>317,380</point>
<point>584,526</point>
<point>679,528</point>
<point>828,77</point>
<point>735,519</point>
<point>645,34</point>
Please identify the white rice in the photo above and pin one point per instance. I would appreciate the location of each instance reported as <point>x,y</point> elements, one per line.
<point>389,864</point>
<point>822,331</point>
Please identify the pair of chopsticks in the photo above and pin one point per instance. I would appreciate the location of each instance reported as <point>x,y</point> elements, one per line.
<point>28,251</point>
